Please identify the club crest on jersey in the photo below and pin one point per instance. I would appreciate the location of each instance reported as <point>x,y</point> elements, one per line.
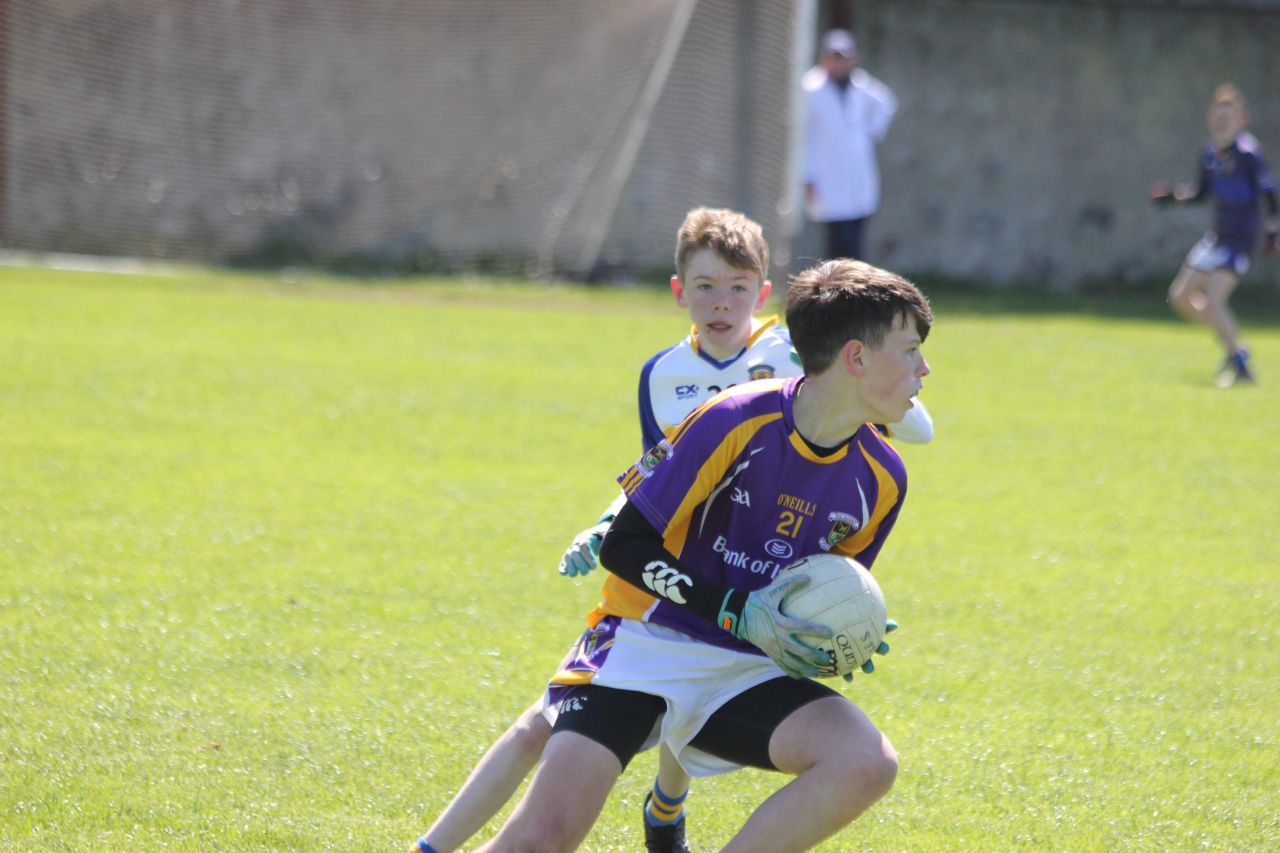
<point>761,371</point>
<point>591,643</point>
<point>842,525</point>
<point>660,451</point>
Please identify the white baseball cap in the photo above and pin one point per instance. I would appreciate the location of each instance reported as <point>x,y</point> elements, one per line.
<point>840,42</point>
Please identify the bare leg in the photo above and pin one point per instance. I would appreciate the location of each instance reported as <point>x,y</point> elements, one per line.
<point>1186,294</point>
<point>1217,310</point>
<point>672,779</point>
<point>564,799</point>
<point>842,763</point>
<point>494,779</point>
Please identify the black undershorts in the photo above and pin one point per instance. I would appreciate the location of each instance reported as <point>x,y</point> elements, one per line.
<point>739,731</point>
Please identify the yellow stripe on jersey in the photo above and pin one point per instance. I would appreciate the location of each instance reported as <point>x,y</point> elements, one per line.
<point>572,677</point>
<point>631,479</point>
<point>886,497</point>
<point>635,476</point>
<point>728,393</point>
<point>710,475</point>
<point>569,674</point>
<point>766,323</point>
<point>620,598</point>
<point>806,452</point>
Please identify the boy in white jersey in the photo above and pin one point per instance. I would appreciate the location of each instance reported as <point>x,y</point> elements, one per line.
<point>722,261</point>
<point>694,370</point>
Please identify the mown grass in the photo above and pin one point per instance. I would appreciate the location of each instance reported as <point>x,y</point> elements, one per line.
<point>277,564</point>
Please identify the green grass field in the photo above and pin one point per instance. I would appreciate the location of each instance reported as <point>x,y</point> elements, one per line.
<point>277,563</point>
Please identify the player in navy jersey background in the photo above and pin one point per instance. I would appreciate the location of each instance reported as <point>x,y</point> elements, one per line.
<point>1232,173</point>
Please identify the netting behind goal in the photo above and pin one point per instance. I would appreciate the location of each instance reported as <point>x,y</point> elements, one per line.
<point>559,136</point>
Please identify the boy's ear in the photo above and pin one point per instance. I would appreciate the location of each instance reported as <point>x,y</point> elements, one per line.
<point>677,290</point>
<point>851,357</point>
<point>765,289</point>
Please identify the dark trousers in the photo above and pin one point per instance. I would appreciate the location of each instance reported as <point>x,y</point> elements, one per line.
<point>844,238</point>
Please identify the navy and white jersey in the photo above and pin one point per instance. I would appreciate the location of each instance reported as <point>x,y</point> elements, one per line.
<point>681,377</point>
<point>1236,177</point>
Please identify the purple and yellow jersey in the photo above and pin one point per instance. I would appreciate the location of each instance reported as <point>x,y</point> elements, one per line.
<point>1236,177</point>
<point>738,494</point>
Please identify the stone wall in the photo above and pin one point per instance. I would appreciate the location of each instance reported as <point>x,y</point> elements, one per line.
<point>459,133</point>
<point>1029,133</point>
<point>548,137</point>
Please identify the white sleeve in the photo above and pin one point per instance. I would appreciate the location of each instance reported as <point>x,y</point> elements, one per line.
<point>811,154</point>
<point>613,509</point>
<point>916,427</point>
<point>885,103</point>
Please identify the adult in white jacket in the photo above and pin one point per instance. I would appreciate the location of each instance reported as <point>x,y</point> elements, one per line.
<point>847,112</point>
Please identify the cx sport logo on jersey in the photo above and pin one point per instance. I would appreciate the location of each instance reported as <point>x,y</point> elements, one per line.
<point>666,581</point>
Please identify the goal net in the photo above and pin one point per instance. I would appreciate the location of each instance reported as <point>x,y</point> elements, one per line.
<point>548,137</point>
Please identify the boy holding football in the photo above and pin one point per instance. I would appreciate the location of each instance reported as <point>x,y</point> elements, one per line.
<point>1232,172</point>
<point>690,638</point>
<point>721,262</point>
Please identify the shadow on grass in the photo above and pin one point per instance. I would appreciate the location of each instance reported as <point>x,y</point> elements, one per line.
<point>1255,303</point>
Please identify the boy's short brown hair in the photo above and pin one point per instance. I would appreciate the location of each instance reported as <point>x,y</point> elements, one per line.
<point>838,301</point>
<point>734,237</point>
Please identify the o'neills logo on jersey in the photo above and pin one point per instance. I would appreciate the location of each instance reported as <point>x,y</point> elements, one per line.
<point>743,560</point>
<point>661,450</point>
<point>842,524</point>
<point>796,504</point>
<point>761,371</point>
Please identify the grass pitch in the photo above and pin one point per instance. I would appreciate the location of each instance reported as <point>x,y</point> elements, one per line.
<point>277,563</point>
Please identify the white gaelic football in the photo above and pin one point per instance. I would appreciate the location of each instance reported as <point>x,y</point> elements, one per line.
<point>843,596</point>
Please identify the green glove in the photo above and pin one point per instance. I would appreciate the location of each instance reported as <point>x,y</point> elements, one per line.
<point>584,551</point>
<point>882,649</point>
<point>757,618</point>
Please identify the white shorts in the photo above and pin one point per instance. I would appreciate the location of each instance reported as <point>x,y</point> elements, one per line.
<point>1209,255</point>
<point>694,678</point>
